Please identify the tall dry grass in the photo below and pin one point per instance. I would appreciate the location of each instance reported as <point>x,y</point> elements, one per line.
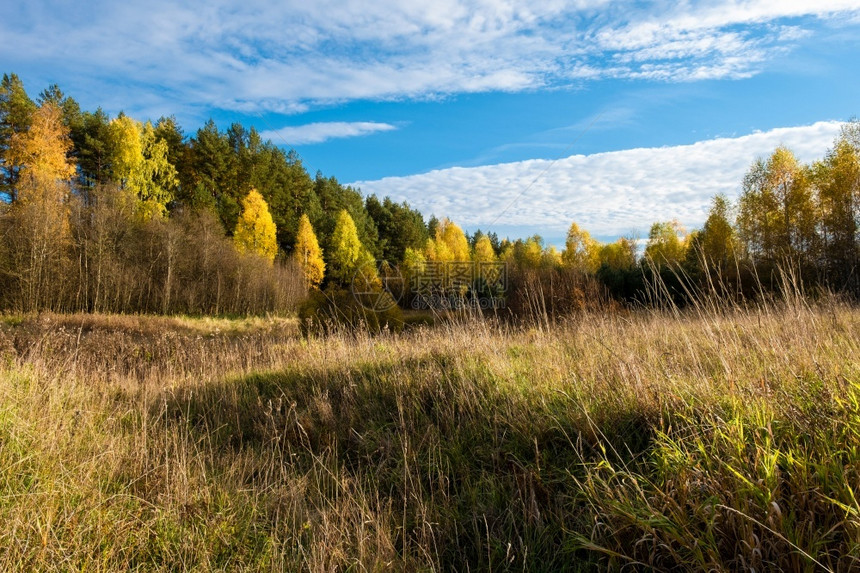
<point>705,439</point>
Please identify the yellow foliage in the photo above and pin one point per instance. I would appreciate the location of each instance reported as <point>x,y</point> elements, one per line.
<point>42,150</point>
<point>255,230</point>
<point>667,244</point>
<point>619,255</point>
<point>718,240</point>
<point>350,262</point>
<point>158,178</point>
<point>42,208</point>
<point>308,253</point>
<point>449,244</point>
<point>346,247</point>
<point>776,212</point>
<point>484,252</point>
<point>551,257</point>
<point>126,149</point>
<point>581,251</point>
<point>139,163</point>
<point>414,261</point>
<point>531,253</point>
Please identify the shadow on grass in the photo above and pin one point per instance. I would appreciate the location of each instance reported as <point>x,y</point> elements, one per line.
<point>482,465</point>
<point>474,472</point>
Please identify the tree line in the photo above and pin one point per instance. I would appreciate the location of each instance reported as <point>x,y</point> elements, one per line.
<point>113,214</point>
<point>117,215</point>
<point>792,223</point>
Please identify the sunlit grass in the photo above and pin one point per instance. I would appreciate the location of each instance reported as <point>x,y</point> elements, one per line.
<point>715,439</point>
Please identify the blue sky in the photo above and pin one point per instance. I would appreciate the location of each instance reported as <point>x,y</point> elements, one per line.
<point>515,116</point>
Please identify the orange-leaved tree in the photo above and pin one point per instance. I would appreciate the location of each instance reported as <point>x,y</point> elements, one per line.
<point>40,236</point>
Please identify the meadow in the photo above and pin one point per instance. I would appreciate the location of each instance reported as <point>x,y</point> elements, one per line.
<point>717,438</point>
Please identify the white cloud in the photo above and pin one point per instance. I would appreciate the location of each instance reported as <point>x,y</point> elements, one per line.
<point>610,194</point>
<point>319,132</point>
<point>262,56</point>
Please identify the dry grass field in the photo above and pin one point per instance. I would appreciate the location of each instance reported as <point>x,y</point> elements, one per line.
<point>719,439</point>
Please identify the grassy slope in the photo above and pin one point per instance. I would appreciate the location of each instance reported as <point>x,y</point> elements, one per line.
<point>710,441</point>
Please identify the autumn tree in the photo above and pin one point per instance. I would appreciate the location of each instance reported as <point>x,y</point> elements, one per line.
<point>449,243</point>
<point>717,240</point>
<point>776,215</point>
<point>666,245</point>
<point>551,258</point>
<point>347,255</point>
<point>279,176</point>
<point>581,251</point>
<point>620,255</point>
<point>837,182</point>
<point>159,180</point>
<point>529,253</point>
<point>484,257</point>
<point>255,230</point>
<point>39,218</point>
<point>290,189</point>
<point>484,252</point>
<point>333,197</point>
<point>168,132</point>
<point>126,150</point>
<point>307,253</point>
<point>41,152</point>
<point>139,163</point>
<point>414,262</point>
<point>618,270</point>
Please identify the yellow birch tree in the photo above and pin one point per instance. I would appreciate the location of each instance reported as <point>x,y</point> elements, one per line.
<point>140,165</point>
<point>484,252</point>
<point>308,253</point>
<point>666,244</point>
<point>350,260</point>
<point>255,230</point>
<point>581,251</point>
<point>448,244</point>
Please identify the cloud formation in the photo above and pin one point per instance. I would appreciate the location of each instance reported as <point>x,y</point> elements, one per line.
<point>256,56</point>
<point>323,131</point>
<point>610,194</point>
